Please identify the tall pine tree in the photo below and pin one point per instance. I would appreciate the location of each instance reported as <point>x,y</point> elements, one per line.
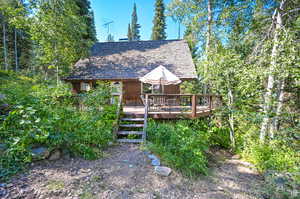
<point>88,16</point>
<point>129,33</point>
<point>159,22</point>
<point>135,27</point>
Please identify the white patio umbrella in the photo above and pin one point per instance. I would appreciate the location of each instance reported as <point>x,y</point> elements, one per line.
<point>160,76</point>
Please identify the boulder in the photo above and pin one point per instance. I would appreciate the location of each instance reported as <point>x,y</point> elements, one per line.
<point>40,153</point>
<point>155,162</point>
<point>152,157</point>
<point>55,155</point>
<point>163,171</point>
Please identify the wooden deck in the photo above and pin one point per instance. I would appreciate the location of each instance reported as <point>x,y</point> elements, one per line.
<point>168,106</point>
<point>167,113</point>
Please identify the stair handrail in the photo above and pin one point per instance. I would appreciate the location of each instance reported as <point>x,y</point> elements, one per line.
<point>145,118</point>
<point>118,113</point>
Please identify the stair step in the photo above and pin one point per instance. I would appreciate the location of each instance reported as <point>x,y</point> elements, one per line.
<point>132,119</point>
<point>130,133</point>
<point>132,125</point>
<point>130,140</point>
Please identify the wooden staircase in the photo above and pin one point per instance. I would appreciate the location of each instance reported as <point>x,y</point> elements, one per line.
<point>132,129</point>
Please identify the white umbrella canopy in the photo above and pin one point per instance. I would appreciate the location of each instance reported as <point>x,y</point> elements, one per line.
<point>160,75</point>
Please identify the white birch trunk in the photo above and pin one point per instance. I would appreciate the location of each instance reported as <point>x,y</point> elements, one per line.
<point>231,118</point>
<point>208,40</point>
<point>275,122</point>
<point>267,107</point>
<point>209,23</point>
<point>4,45</point>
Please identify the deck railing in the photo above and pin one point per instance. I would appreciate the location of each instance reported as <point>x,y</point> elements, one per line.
<point>182,103</point>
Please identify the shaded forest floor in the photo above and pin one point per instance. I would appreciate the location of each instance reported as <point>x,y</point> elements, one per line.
<point>126,172</point>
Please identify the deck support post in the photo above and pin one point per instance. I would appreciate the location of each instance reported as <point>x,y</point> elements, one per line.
<point>194,106</point>
<point>210,103</point>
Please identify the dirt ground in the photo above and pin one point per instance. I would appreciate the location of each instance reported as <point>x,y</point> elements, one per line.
<point>126,172</point>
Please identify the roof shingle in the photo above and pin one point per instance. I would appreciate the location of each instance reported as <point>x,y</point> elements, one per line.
<point>131,60</point>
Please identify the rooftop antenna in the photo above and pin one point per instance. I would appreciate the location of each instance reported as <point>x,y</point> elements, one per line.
<point>107,24</point>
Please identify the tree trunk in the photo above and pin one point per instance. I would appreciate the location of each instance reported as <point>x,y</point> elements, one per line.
<point>231,118</point>
<point>209,24</point>
<point>267,107</point>
<point>280,97</point>
<point>208,41</point>
<point>16,51</point>
<point>4,44</point>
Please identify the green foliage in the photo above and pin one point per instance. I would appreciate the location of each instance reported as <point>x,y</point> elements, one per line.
<point>272,156</point>
<point>61,44</point>
<point>129,33</point>
<point>180,144</point>
<point>46,115</point>
<point>219,137</point>
<point>159,22</point>
<point>135,27</point>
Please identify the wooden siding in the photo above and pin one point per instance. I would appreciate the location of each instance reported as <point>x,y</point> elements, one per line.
<point>132,93</point>
<point>172,89</point>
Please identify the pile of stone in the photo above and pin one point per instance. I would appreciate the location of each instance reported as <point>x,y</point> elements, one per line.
<point>158,169</point>
<point>41,153</point>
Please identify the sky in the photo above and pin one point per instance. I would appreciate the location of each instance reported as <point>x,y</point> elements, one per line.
<point>119,11</point>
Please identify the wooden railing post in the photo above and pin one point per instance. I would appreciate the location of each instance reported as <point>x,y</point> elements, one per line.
<point>194,106</point>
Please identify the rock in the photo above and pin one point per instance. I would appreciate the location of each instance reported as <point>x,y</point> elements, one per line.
<point>40,153</point>
<point>55,155</point>
<point>155,162</point>
<point>163,171</point>
<point>236,157</point>
<point>110,143</point>
<point>152,157</point>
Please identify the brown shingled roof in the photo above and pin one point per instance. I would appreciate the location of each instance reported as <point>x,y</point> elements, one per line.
<point>131,60</point>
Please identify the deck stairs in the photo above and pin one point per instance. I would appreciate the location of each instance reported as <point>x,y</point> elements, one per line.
<point>131,129</point>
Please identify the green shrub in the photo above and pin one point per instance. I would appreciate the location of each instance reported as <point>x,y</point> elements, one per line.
<point>219,136</point>
<point>46,115</point>
<point>272,156</point>
<point>180,144</point>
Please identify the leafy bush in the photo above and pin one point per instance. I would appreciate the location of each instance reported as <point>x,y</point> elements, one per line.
<point>46,115</point>
<point>180,144</point>
<point>219,136</point>
<point>272,156</point>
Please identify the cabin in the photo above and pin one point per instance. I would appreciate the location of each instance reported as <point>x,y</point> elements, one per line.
<point>124,64</point>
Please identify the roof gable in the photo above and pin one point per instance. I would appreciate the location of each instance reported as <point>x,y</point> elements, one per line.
<point>131,60</point>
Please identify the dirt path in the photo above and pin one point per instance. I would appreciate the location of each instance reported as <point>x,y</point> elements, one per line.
<point>126,172</point>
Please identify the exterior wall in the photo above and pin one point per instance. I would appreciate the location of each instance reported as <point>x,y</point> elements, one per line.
<point>172,89</point>
<point>132,93</point>
<point>76,87</point>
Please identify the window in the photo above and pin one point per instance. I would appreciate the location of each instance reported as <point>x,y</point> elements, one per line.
<point>156,89</point>
<point>147,88</point>
<point>153,89</point>
<point>116,87</point>
<point>84,86</point>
